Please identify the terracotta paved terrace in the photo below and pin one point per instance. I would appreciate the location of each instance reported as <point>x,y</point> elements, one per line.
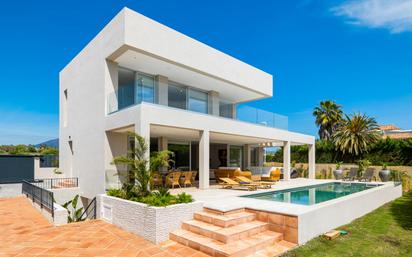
<point>24,232</point>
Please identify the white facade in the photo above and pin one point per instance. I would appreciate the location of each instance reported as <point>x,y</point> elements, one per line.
<point>139,75</point>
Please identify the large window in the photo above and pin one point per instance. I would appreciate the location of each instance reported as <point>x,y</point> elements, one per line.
<point>225,109</point>
<point>254,156</point>
<point>134,88</point>
<point>181,155</point>
<point>177,96</point>
<point>125,92</point>
<point>198,101</point>
<point>145,88</point>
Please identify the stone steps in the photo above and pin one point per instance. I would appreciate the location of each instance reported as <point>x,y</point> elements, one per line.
<point>225,234</point>
<point>236,233</point>
<point>226,220</point>
<point>243,247</point>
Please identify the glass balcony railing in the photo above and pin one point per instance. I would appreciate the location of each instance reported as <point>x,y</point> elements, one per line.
<point>129,96</point>
<point>261,117</point>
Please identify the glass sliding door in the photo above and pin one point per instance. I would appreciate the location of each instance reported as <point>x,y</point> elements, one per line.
<point>225,109</point>
<point>145,88</point>
<point>181,157</point>
<point>198,101</point>
<point>177,96</point>
<point>134,88</point>
<point>126,90</point>
<point>235,156</point>
<point>254,156</point>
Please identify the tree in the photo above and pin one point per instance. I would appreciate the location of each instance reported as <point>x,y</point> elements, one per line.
<point>139,166</point>
<point>328,115</point>
<point>355,134</point>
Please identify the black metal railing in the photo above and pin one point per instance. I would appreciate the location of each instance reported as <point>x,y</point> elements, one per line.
<point>55,183</point>
<point>90,211</point>
<point>41,196</point>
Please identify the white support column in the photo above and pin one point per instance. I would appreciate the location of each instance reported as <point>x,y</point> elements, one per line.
<point>247,160</point>
<point>162,96</point>
<point>204,159</point>
<point>163,143</point>
<point>143,129</point>
<point>286,160</point>
<point>234,111</point>
<point>261,156</point>
<point>312,162</point>
<point>312,196</point>
<point>213,103</point>
<point>227,155</point>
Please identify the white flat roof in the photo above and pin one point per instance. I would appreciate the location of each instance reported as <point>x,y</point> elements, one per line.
<point>152,38</point>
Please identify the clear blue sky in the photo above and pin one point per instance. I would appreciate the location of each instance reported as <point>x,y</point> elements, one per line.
<point>356,53</point>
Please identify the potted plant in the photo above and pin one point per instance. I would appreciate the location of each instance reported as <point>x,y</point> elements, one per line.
<point>385,173</point>
<point>363,165</point>
<point>338,172</point>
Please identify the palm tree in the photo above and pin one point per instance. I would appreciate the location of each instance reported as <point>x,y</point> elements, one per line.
<point>355,134</point>
<point>328,114</point>
<point>140,167</point>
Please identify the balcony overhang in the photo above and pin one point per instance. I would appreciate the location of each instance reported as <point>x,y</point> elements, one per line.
<point>147,63</point>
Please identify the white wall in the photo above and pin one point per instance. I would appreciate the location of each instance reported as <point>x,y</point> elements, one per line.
<point>151,223</point>
<point>87,77</point>
<point>63,195</point>
<point>10,190</point>
<point>341,211</point>
<point>45,172</point>
<point>116,146</point>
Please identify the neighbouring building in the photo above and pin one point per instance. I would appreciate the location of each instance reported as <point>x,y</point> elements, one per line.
<point>180,94</point>
<point>391,131</point>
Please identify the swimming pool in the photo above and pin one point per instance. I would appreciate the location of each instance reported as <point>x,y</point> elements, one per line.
<point>310,195</point>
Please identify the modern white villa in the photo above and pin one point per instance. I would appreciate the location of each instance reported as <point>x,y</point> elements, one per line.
<point>180,94</point>
<point>140,76</point>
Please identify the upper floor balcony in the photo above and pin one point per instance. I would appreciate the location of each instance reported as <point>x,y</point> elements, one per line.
<point>136,87</point>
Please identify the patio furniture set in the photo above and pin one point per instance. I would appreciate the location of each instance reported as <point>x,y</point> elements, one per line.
<point>245,180</point>
<point>174,179</point>
<point>367,176</point>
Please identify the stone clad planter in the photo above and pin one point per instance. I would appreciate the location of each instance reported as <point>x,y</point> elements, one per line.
<point>152,223</point>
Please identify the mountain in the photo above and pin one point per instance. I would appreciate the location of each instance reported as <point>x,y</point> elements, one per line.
<point>51,143</point>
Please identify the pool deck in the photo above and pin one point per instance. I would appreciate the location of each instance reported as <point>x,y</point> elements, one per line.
<point>226,199</point>
<point>313,220</point>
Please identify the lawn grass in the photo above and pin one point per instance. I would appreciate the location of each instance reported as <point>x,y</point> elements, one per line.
<point>387,231</point>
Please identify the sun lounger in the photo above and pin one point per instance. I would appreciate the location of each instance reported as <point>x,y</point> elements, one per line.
<point>368,175</point>
<point>353,173</point>
<point>259,184</point>
<point>231,184</point>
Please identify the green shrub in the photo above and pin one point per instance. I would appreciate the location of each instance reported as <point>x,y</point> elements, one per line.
<point>391,151</point>
<point>158,198</point>
<point>117,192</point>
<point>404,178</point>
<point>184,198</point>
<point>74,214</point>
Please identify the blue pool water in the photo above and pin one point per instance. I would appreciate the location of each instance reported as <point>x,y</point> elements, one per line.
<point>313,194</point>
